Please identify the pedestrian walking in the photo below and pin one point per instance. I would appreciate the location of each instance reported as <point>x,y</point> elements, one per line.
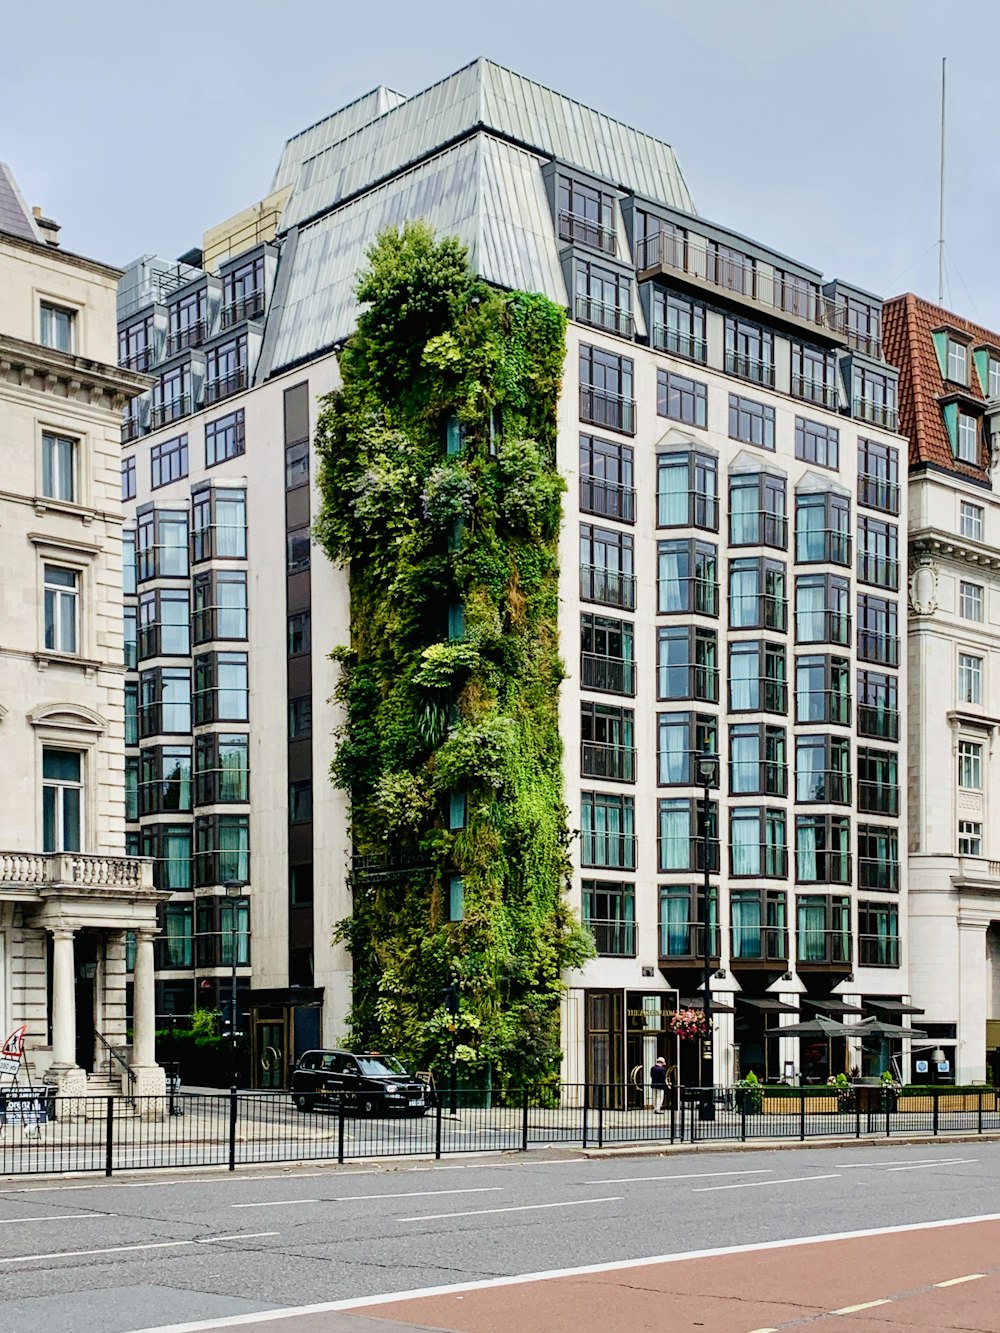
<point>658,1082</point>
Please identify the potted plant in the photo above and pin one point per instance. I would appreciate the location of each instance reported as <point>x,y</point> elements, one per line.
<point>749,1094</point>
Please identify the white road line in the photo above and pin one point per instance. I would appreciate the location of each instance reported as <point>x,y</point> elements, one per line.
<point>125,1249</point>
<point>274,1203</point>
<point>759,1184</point>
<point>584,1270</point>
<point>516,1208</point>
<point>240,1235</point>
<point>865,1305</point>
<point>62,1217</point>
<point>860,1166</point>
<point>693,1175</point>
<point>926,1166</point>
<point>355,1198</point>
<point>956,1281</point>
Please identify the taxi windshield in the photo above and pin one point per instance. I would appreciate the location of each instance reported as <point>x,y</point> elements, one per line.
<point>379,1066</point>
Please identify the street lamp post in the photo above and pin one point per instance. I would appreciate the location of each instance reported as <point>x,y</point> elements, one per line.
<point>236,894</point>
<point>707,771</point>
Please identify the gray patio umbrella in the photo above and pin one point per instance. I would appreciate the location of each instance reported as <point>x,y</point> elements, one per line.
<point>815,1027</point>
<point>877,1027</point>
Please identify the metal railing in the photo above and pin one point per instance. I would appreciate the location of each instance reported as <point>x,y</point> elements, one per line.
<point>582,231</point>
<point>877,493</point>
<point>750,368</point>
<point>874,646</point>
<point>612,674</point>
<point>140,360</point>
<point>680,344</point>
<point>609,499</point>
<point>881,571</point>
<point>191,336</point>
<point>226,385</point>
<point>614,318</point>
<point>878,798</point>
<point>115,1057</point>
<point>878,950</point>
<point>759,943</point>
<point>173,410</point>
<point>686,939</point>
<point>612,939</point>
<point>879,414</point>
<point>814,391</point>
<point>607,850</point>
<point>602,407</point>
<point>131,429</point>
<point>817,946</point>
<point>250,306</point>
<point>600,760</point>
<point>879,723</point>
<point>610,587</point>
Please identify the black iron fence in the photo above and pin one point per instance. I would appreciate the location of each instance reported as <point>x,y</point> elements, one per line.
<point>43,1133</point>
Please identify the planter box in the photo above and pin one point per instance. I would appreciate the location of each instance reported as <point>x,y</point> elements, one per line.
<point>947,1101</point>
<point>815,1105</point>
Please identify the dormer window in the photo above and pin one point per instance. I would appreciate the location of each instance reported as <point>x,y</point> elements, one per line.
<point>968,437</point>
<point>993,377</point>
<point>957,362</point>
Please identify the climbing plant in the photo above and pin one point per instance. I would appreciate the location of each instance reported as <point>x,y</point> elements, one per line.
<point>439,488</point>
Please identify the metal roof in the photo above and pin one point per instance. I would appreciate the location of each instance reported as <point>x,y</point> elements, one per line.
<point>330,130</point>
<point>15,215</point>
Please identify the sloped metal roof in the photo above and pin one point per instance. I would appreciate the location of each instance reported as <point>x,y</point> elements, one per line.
<point>15,215</point>
<point>330,130</point>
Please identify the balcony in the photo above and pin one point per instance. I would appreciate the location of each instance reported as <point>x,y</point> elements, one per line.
<point>878,798</point>
<point>192,336</point>
<point>824,948</point>
<point>35,871</point>
<point>577,229</point>
<point>163,413</point>
<point>877,493</point>
<point>876,647</point>
<point>878,950</point>
<point>612,939</point>
<point>883,876</point>
<point>680,344</point>
<point>226,385</point>
<point>682,941</point>
<point>878,414</point>
<point>609,499</point>
<point>603,316</point>
<point>142,360</point>
<point>616,763</point>
<point>749,368</point>
<point>612,675</point>
<point>601,407</point>
<point>131,430</point>
<point>811,391</point>
<point>868,343</point>
<point>607,850</point>
<point>610,587</point>
<point>246,307</point>
<point>880,723</point>
<point>758,944</point>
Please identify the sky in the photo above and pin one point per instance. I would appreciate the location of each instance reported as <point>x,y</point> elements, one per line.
<point>810,125</point>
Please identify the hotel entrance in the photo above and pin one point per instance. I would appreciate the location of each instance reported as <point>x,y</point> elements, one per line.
<point>626,1031</point>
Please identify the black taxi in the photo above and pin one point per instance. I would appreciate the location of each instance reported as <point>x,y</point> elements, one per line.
<point>364,1084</point>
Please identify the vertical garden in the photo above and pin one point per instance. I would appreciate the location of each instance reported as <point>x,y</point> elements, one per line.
<point>439,486</point>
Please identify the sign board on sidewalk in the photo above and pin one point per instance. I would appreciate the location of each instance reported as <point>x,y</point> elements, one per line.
<point>9,1066</point>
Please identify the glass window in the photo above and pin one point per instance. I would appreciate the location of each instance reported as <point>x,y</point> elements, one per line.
<point>757,595</point>
<point>681,922</point>
<point>823,770</point>
<point>816,442</point>
<point>57,327</point>
<point>300,802</point>
<point>607,654</point>
<point>749,351</point>
<point>970,600</point>
<point>823,690</point>
<point>757,760</point>
<point>220,687</point>
<point>971,520</point>
<point>130,637</point>
<point>687,664</point>
<point>299,549</point>
<point>679,325</point>
<point>170,847</point>
<point>822,849</point>
<point>587,215</point>
<point>300,718</point>
<point>218,524</point>
<point>59,467</point>
<point>606,566</point>
<point>956,365</point>
<point>169,461</point>
<point>131,713</point>
<point>164,623</point>
<point>730,268</point>
<point>301,885</point>
<point>299,633</point>
<point>222,849</point>
<point>814,375</point>
<point>225,438</point>
<point>993,378</point>
<point>128,478</point>
<point>174,945</point>
<point>161,543</point>
<point>878,934</point>
<point>878,633</point>
<point>165,779</point>
<point>681,399</point>
<point>681,738</point>
<point>604,298</point>
<point>687,578</point>
<point>757,843</point>
<point>757,510</point>
<point>128,562</point>
<point>62,800</point>
<point>220,605</point>
<point>878,707</point>
<point>878,553</point>
<point>171,396</point>
<point>296,465</point>
<point>878,857</point>
<point>680,845</point>
<point>606,392</point>
<point>687,491</point>
<point>970,838</point>
<point>164,701</point>
<point>62,601</point>
<point>750,422</point>
<point>970,765</point>
<point>822,609</point>
<point>878,475</point>
<point>609,915</point>
<point>243,292</point>
<point>222,768</point>
<point>607,831</point>
<point>970,679</point>
<point>823,929</point>
<point>968,438</point>
<point>606,479</point>
<point>874,395</point>
<point>864,325</point>
<point>757,681</point>
<point>135,345</point>
<point>878,781</point>
<point>608,746</point>
<point>822,528</point>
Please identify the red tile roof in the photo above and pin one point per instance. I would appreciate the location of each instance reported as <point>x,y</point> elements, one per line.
<point>907,325</point>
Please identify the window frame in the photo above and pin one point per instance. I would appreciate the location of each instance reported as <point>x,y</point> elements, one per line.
<point>168,461</point>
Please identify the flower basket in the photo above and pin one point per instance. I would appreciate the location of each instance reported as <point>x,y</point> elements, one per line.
<point>688,1024</point>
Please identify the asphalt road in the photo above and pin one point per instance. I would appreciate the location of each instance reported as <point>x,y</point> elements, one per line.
<point>123,1255</point>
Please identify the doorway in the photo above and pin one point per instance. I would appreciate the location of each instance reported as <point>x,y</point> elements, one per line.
<point>85,960</point>
<point>270,1053</point>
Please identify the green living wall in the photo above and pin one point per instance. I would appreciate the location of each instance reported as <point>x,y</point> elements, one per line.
<point>439,486</point>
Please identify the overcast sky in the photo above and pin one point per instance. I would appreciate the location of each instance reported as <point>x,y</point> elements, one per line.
<point>811,126</point>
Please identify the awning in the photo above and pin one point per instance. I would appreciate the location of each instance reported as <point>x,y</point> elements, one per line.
<point>770,1003</point>
<point>893,1006</point>
<point>698,1002</point>
<point>835,1006</point>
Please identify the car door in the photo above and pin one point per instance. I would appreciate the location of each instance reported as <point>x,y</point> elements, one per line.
<point>350,1080</point>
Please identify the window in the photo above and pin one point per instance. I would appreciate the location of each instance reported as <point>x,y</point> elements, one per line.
<point>970,520</point>
<point>823,690</point>
<point>299,544</point>
<point>57,327</point>
<point>822,609</point>
<point>757,681</point>
<point>875,397</point>
<point>679,325</point>
<point>750,422</point>
<point>970,679</point>
<point>604,298</point>
<point>878,554</point>
<point>607,742</point>
<point>607,654</point>
<point>757,760</point>
<point>169,461</point>
<point>62,609</point>
<point>161,543</point>
<point>299,633</point>
<point>300,885</point>
<point>757,510</point>
<point>128,478</point>
<point>814,375</point>
<point>296,465</point>
<point>165,779</point>
<point>188,322</point>
<point>878,476</point>
<point>759,925</point>
<point>757,596</point>
<point>687,491</point>
<point>970,600</point>
<point>878,857</point>
<point>823,929</point>
<point>863,325</point>
<point>970,765</point>
<point>226,369</point>
<point>218,524</point>
<point>823,770</point>
<point>171,396</point>
<point>878,933</point>
<point>131,713</point>
<point>62,801</point>
<point>130,637</point>
<point>59,468</point>
<point>749,351</point>
<point>606,389</point>
<point>220,687</point>
<point>221,768</point>
<point>968,438</point>
<point>658,242</point>
<point>135,345</point>
<point>586,215</point>
<point>878,707</point>
<point>993,377</point>
<point>757,843</point>
<point>170,847</point>
<point>687,578</point>
<point>222,849</point>
<point>730,269</point>
<point>816,442</point>
<point>300,802</point>
<point>607,831</point>
<point>128,562</point>
<point>609,915</point>
<point>300,718</point>
<point>243,292</point>
<point>174,943</point>
<point>681,399</point>
<point>822,528</point>
<point>606,481</point>
<point>687,664</point>
<point>606,567</point>
<point>458,810</point>
<point>681,922</point>
<point>220,605</point>
<point>878,781</point>
<point>956,363</point>
<point>164,623</point>
<point>878,634</point>
<point>225,438</point>
<point>970,838</point>
<point>681,841</point>
<point>796,295</point>
<point>681,739</point>
<point>164,702</point>
<point>822,849</point>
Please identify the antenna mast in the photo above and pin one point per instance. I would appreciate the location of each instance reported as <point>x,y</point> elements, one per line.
<point>941,199</point>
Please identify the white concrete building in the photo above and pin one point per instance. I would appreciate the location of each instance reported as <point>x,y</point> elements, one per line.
<point>68,896</point>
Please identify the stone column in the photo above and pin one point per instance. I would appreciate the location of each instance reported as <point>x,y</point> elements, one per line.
<point>150,1080</point>
<point>64,1071</point>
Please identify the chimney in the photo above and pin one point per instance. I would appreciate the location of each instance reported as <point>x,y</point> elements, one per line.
<point>48,228</point>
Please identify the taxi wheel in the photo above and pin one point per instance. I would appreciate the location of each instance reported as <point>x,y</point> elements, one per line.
<point>367,1105</point>
<point>303,1102</point>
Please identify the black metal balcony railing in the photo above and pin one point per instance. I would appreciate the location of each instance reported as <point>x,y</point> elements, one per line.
<point>878,874</point>
<point>582,231</point>
<point>609,499</point>
<point>614,318</point>
<point>131,429</point>
<point>749,368</point>
<point>680,344</point>
<point>191,336</point>
<point>874,646</point>
<point>878,950</point>
<point>822,627</point>
<point>140,360</point>
<point>250,306</point>
<point>878,798</point>
<point>877,493</point>
<point>878,722</point>
<point>814,391</point>
<point>879,414</point>
<point>226,385</point>
<point>759,528</point>
<point>607,851</point>
<point>878,570</point>
<point>601,760</point>
<point>868,343</point>
<point>824,947</point>
<point>753,944</point>
<point>823,867</point>
<point>172,410</point>
<point>686,939</point>
<point>613,675</point>
<point>601,407</point>
<point>613,939</point>
<point>610,587</point>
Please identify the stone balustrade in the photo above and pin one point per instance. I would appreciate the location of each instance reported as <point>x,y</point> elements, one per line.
<point>75,868</point>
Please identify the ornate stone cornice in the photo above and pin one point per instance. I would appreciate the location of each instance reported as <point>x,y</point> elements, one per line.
<point>937,542</point>
<point>93,383</point>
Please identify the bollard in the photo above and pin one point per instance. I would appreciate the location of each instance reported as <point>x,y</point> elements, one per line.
<point>109,1137</point>
<point>524,1121</point>
<point>232,1129</point>
<point>341,1117</point>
